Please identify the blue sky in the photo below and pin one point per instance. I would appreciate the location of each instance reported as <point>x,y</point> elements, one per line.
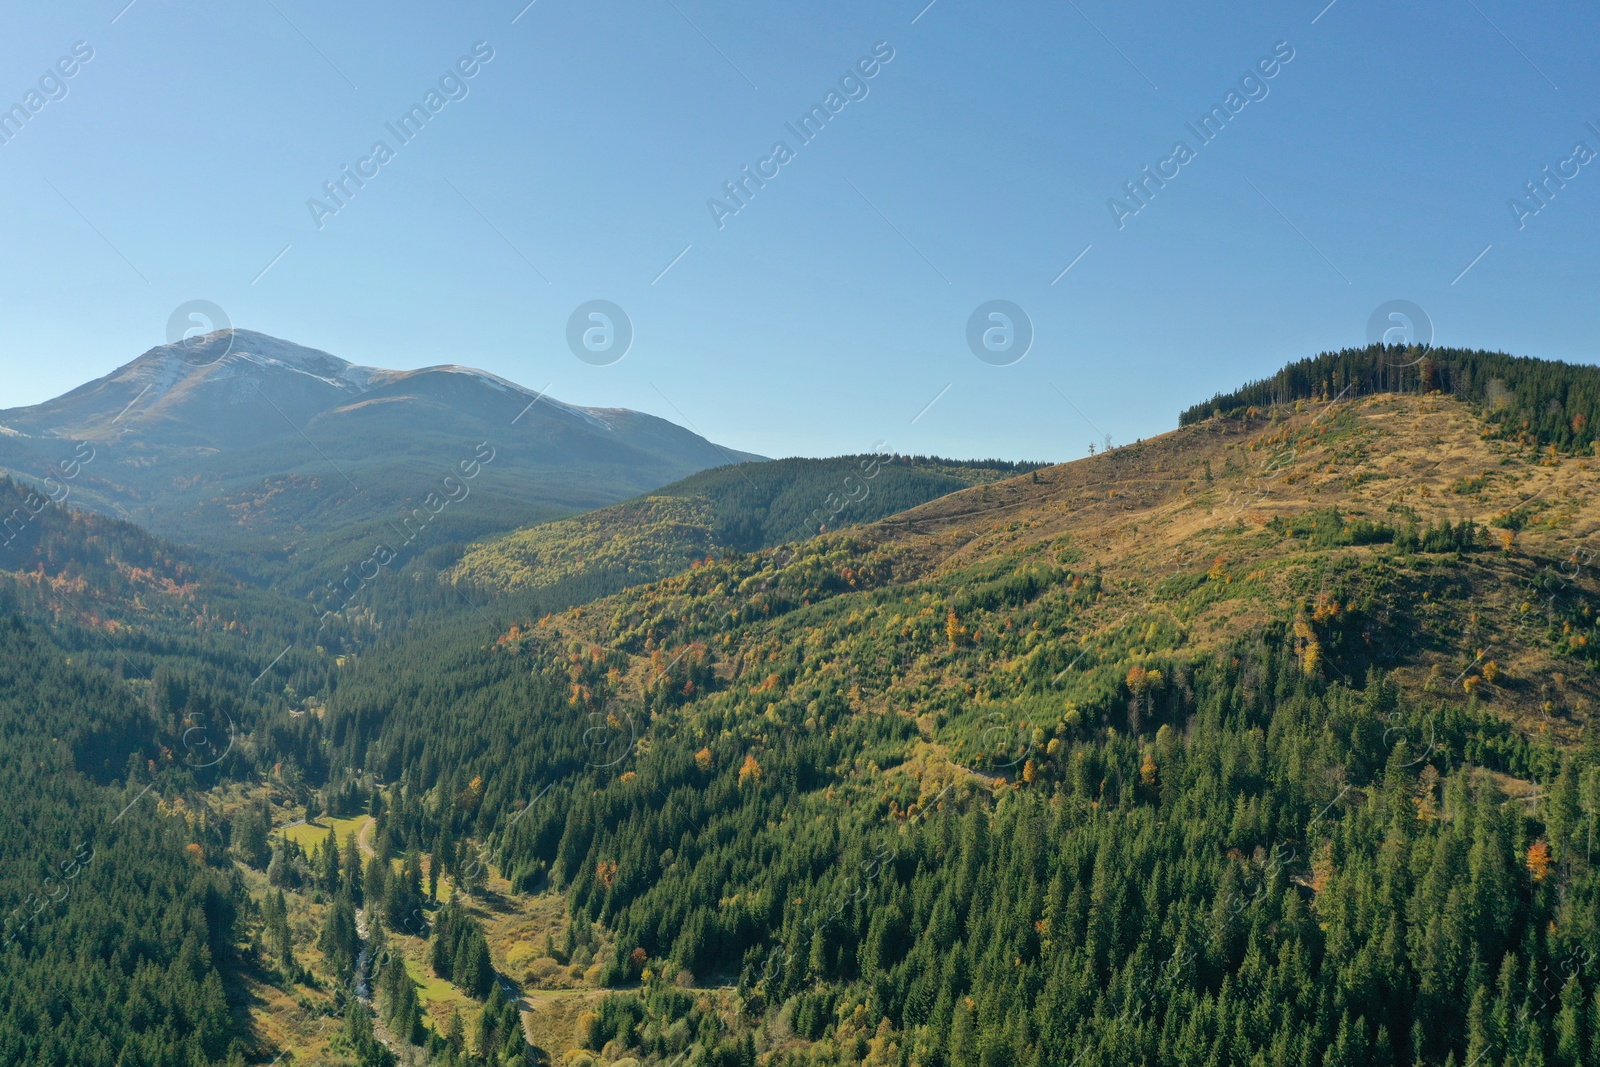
<point>827,313</point>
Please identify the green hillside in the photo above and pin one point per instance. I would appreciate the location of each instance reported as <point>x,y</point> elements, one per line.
<point>1265,741</point>
<point>737,508</point>
<point>133,680</point>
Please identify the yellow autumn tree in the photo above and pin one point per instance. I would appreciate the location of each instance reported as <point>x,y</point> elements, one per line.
<point>953,630</point>
<point>1324,608</point>
<point>702,759</point>
<point>1427,793</point>
<point>588,1031</point>
<point>750,770</point>
<point>1310,647</point>
<point>882,1049</point>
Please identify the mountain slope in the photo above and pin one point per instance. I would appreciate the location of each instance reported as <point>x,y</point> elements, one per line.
<point>1270,739</point>
<point>295,463</point>
<point>134,679</point>
<point>736,508</point>
<point>1226,525</point>
<point>163,621</point>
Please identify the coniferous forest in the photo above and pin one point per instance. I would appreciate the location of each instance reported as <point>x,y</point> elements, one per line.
<point>1529,400</point>
<point>1305,773</point>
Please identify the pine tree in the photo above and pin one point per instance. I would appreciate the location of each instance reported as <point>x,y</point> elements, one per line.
<point>375,884</point>
<point>477,973</point>
<point>328,864</point>
<point>488,1028</point>
<point>252,837</point>
<point>351,884</point>
<point>276,915</point>
<point>455,1034</point>
<point>357,1038</point>
<point>339,941</point>
<point>1569,1024</point>
<point>403,901</point>
<point>278,871</point>
<point>402,1012</point>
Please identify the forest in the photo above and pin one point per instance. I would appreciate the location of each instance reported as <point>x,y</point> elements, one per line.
<point>738,508</point>
<point>839,800</point>
<point>1541,402</point>
<point>1213,860</point>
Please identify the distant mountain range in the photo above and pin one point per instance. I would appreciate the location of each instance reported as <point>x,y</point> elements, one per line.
<point>290,462</point>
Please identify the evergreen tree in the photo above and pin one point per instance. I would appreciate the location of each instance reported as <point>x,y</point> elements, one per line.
<point>402,1012</point>
<point>340,943</point>
<point>328,865</point>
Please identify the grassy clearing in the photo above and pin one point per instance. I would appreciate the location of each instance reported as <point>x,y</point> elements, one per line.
<point>310,835</point>
<point>439,998</point>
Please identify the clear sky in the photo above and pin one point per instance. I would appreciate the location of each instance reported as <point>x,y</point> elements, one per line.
<point>826,313</point>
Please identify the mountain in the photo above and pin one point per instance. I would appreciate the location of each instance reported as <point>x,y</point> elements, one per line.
<point>293,463</point>
<point>1270,739</point>
<point>736,508</point>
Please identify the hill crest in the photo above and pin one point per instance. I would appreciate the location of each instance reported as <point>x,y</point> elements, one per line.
<point>1323,521</point>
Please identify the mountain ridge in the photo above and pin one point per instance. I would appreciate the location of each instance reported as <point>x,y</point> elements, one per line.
<point>207,360</point>
<point>727,509</point>
<point>286,460</point>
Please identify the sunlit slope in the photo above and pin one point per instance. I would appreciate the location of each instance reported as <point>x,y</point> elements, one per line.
<point>1388,532</point>
<point>739,508</point>
<point>1293,685</point>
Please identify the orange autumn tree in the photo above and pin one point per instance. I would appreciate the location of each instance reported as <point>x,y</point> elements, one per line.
<point>1539,860</point>
<point>1321,869</point>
